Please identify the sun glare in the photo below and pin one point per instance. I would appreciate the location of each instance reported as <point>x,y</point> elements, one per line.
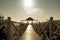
<point>29,22</point>
<point>28,3</point>
<point>29,27</point>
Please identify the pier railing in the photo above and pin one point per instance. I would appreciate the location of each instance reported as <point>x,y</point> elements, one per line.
<point>50,30</point>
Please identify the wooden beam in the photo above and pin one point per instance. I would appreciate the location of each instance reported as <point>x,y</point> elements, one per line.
<point>9,29</point>
<point>51,28</point>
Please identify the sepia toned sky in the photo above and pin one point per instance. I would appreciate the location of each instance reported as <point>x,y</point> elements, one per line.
<point>38,9</point>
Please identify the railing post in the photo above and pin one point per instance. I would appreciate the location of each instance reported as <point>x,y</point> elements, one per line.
<point>51,28</point>
<point>8,28</point>
<point>32,23</point>
<point>20,29</point>
<point>39,29</point>
<point>27,23</point>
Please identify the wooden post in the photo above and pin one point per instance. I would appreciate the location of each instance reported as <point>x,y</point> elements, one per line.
<point>8,28</point>
<point>51,28</point>
<point>32,23</point>
<point>39,29</point>
<point>20,28</point>
<point>27,23</point>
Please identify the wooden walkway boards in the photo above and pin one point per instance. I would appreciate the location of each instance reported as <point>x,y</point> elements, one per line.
<point>30,34</point>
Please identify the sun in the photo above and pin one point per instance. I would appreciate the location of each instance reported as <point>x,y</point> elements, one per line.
<point>28,3</point>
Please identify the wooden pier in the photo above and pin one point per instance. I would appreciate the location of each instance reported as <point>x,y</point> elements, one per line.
<point>49,30</point>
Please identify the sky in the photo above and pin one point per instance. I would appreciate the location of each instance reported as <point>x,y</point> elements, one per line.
<point>37,9</point>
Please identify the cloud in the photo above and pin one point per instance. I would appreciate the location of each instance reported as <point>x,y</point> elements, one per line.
<point>34,11</point>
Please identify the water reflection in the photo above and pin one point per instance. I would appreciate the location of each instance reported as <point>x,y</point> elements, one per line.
<point>30,34</point>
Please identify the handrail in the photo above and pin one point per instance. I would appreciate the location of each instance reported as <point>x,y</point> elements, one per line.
<point>45,27</point>
<point>15,27</point>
